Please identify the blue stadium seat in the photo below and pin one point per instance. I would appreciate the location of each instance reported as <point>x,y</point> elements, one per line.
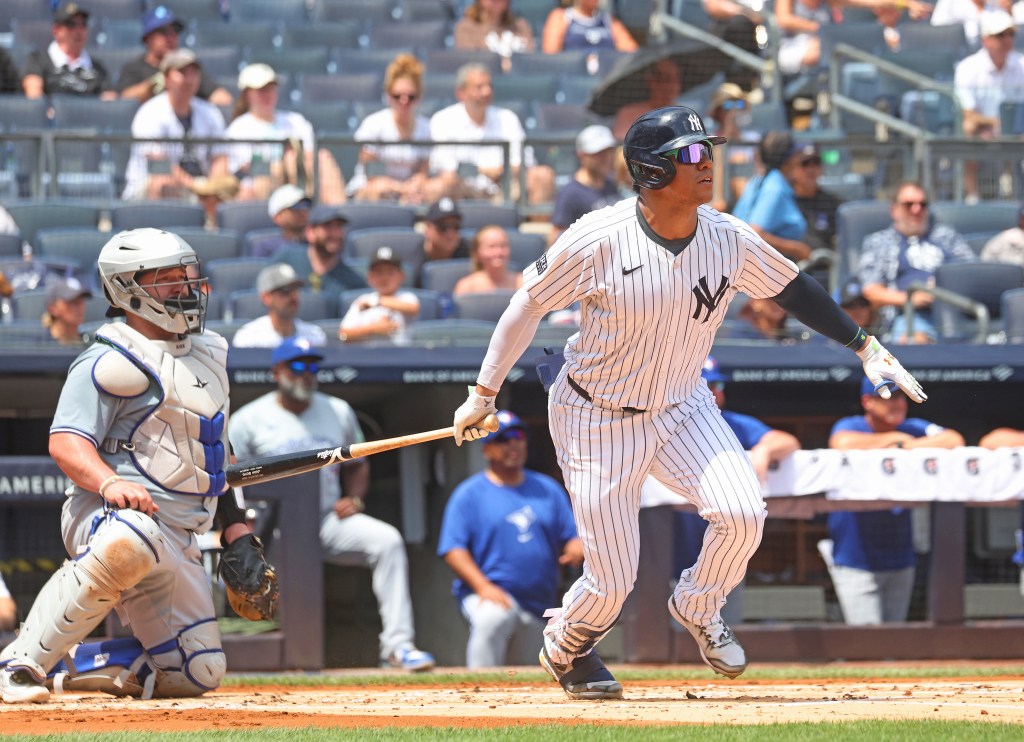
<point>243,216</point>
<point>324,33</point>
<point>370,11</point>
<point>237,274</point>
<point>246,304</point>
<point>451,333</point>
<point>80,244</point>
<point>22,11</point>
<point>416,11</point>
<point>237,35</point>
<point>982,281</point>
<point>365,215</point>
<point>192,11</point>
<point>159,214</point>
<point>88,112</point>
<point>342,86</point>
<point>421,35</point>
<point>980,217</point>
<point>1012,310</point>
<point>450,60</point>
<point>31,216</point>
<point>855,220</point>
<point>476,214</point>
<point>442,275</point>
<point>538,63</point>
<point>33,32</point>
<point>10,245</point>
<point>488,306</point>
<point>210,245</point>
<point>278,11</point>
<point>309,60</point>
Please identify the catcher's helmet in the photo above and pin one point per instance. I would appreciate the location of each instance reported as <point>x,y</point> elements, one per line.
<point>655,133</point>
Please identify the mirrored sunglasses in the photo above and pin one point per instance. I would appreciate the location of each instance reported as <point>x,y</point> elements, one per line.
<point>691,154</point>
<point>734,105</point>
<point>304,367</point>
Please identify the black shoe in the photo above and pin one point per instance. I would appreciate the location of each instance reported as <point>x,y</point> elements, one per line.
<point>586,679</point>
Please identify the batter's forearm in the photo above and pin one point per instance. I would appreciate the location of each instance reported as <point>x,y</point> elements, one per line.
<point>808,301</point>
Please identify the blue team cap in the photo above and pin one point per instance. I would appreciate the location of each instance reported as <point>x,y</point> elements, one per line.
<point>866,387</point>
<point>157,18</point>
<point>292,348</point>
<point>506,421</point>
<point>710,372</point>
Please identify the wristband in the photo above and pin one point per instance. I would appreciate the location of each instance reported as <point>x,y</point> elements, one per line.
<point>107,482</point>
<point>859,339</point>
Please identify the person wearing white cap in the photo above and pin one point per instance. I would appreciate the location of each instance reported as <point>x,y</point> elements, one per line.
<point>278,286</point>
<point>65,310</point>
<point>383,312</point>
<point>289,208</point>
<point>177,114</point>
<point>592,185</point>
<point>262,168</point>
<point>984,81</point>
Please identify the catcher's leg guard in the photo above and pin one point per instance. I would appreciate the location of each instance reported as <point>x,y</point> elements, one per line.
<point>81,593</point>
<point>188,665</point>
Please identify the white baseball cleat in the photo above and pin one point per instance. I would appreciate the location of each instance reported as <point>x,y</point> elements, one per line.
<point>23,683</point>
<point>718,646</point>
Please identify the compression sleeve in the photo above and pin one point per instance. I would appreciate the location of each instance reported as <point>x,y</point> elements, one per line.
<point>808,301</point>
<point>511,338</point>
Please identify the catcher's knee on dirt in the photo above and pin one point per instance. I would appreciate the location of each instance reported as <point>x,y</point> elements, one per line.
<point>82,592</point>
<point>188,665</point>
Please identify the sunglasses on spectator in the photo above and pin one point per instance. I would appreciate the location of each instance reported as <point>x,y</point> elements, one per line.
<point>691,154</point>
<point>515,434</point>
<point>287,290</point>
<point>447,227</point>
<point>76,24</point>
<point>404,97</point>
<point>912,204</point>
<point>168,31</point>
<point>304,367</point>
<point>734,105</point>
<point>808,161</point>
<point>1007,34</point>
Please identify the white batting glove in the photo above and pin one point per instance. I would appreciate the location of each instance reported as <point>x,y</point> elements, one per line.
<point>881,366</point>
<point>473,410</point>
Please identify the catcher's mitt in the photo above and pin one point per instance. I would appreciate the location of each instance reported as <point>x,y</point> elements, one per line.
<point>250,582</point>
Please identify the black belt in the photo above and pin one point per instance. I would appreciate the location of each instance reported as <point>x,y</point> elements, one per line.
<point>583,393</point>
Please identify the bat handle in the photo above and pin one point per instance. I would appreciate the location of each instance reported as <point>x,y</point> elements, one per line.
<point>489,423</point>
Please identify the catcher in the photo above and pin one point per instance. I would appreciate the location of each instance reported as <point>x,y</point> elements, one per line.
<point>140,429</point>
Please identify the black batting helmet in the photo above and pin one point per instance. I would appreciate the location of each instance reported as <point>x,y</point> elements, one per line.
<point>655,133</point>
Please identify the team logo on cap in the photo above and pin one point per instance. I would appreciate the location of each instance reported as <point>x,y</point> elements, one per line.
<point>695,122</point>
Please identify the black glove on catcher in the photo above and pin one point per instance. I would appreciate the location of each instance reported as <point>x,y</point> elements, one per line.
<point>251,583</point>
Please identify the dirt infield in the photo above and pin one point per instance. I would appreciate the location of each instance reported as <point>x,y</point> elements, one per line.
<point>483,706</point>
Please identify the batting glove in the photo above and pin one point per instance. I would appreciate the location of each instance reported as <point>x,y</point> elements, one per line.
<point>882,368</point>
<point>472,411</point>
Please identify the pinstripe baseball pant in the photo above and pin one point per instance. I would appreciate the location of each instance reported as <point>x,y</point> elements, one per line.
<point>605,454</point>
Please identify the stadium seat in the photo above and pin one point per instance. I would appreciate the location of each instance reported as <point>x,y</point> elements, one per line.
<point>88,112</point>
<point>538,88</point>
<point>238,274</point>
<point>308,60</point>
<point>10,245</point>
<point>450,60</point>
<point>81,244</point>
<point>243,216</point>
<point>23,114</point>
<point>451,332</point>
<point>219,60</point>
<point>31,216</point>
<point>210,245</point>
<point>370,11</point>
<point>118,33</point>
<point>1012,310</point>
<point>982,281</point>
<point>277,11</point>
<point>22,11</point>
<point>420,35</point>
<point>192,11</point>
<point>442,275</point>
<point>29,306</point>
<point>326,115</point>
<point>405,241</point>
<point>555,65</point>
<point>365,215</point>
<point>486,306</point>
<point>246,304</point>
<point>855,220</point>
<point>325,33</point>
<point>476,214</point>
<point>985,216</point>
<point>237,35</point>
<point>415,11</point>
<point>575,89</point>
<point>561,117</point>
<point>159,214</point>
<point>32,32</point>
<point>342,86</point>
<point>924,37</point>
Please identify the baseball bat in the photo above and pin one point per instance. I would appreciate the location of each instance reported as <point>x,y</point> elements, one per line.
<point>300,462</point>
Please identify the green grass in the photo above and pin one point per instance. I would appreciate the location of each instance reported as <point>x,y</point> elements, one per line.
<point>868,731</point>
<point>667,674</point>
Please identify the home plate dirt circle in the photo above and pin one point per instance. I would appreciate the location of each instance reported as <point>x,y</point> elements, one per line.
<point>470,705</point>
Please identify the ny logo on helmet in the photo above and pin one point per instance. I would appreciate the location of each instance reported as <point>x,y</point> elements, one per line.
<point>695,122</point>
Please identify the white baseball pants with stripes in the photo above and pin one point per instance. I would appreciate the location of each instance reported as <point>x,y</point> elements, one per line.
<point>604,455</point>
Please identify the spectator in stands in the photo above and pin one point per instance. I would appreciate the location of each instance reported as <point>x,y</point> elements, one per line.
<point>765,320</point>
<point>289,207</point>
<point>768,203</point>
<point>490,255</point>
<point>765,446</point>
<point>175,169</point>
<point>10,78</point>
<point>816,204</point>
<point>966,13</point>
<point>907,252</point>
<point>592,185</point>
<point>506,530</point>
<point>475,119</point>
<point>1008,245</point>
<point>872,552</point>
<point>404,169</point>
<point>727,103</point>
<point>582,25</point>
<point>264,167</point>
<point>983,81</point>
<point>855,304</point>
<point>8,612</point>
<point>65,66</point>
<point>384,312</point>
<point>737,22</point>
<point>322,262</point>
<point>442,232</point>
<point>664,84</point>
<point>65,311</point>
<point>800,22</point>
<point>141,78</point>
<point>295,417</point>
<point>278,286</point>
<point>490,25</point>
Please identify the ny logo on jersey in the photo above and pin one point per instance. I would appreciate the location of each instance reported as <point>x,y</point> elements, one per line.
<point>695,122</point>
<point>705,298</point>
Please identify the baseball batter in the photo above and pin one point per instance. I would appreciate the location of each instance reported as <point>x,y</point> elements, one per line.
<point>654,276</point>
<point>140,431</point>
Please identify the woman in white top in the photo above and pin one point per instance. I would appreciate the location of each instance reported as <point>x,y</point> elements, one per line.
<point>490,255</point>
<point>262,168</point>
<point>396,172</point>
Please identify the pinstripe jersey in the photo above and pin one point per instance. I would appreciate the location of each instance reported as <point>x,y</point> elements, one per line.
<point>648,317</point>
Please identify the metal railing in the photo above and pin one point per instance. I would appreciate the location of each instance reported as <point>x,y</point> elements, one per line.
<point>965,304</point>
